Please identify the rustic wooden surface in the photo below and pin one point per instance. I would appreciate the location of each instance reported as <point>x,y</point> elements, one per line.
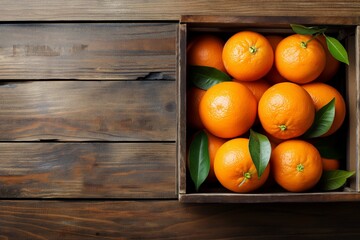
<point>88,51</point>
<point>24,10</point>
<point>171,220</point>
<point>88,111</point>
<point>88,133</point>
<point>88,170</point>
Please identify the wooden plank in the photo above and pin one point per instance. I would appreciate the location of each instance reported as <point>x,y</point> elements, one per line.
<point>270,197</point>
<point>182,109</point>
<point>87,170</point>
<point>88,51</point>
<point>88,111</point>
<point>266,21</point>
<point>353,99</point>
<point>357,129</point>
<point>74,220</point>
<point>24,10</point>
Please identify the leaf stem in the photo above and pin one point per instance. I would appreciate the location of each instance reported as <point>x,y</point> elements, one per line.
<point>304,44</point>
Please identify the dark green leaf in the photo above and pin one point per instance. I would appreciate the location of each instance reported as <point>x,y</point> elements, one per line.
<point>199,160</point>
<point>300,29</point>
<point>260,151</point>
<point>337,50</point>
<point>329,149</point>
<point>324,118</point>
<point>205,77</point>
<point>332,180</point>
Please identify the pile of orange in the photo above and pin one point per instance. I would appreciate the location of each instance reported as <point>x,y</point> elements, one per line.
<point>278,85</point>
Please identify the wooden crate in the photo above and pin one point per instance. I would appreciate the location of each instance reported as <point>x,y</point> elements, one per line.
<point>350,86</point>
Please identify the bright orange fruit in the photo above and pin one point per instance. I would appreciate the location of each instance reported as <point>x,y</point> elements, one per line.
<point>321,94</point>
<point>206,50</point>
<point>194,96</point>
<point>332,65</point>
<point>235,169</point>
<point>299,58</point>
<point>296,165</point>
<point>228,109</point>
<point>247,56</point>
<point>257,87</point>
<point>330,164</point>
<point>214,144</point>
<point>286,110</point>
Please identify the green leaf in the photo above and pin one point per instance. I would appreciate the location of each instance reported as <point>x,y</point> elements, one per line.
<point>260,151</point>
<point>329,148</point>
<point>337,50</point>
<point>300,29</point>
<point>199,160</point>
<point>205,77</point>
<point>332,180</point>
<point>324,118</point>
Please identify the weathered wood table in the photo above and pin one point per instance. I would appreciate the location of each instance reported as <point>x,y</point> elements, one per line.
<point>88,126</point>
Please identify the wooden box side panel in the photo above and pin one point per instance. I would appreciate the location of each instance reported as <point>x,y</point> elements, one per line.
<point>182,108</point>
<point>218,21</point>
<point>353,88</point>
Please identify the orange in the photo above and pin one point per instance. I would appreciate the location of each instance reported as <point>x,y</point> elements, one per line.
<point>296,165</point>
<point>214,143</point>
<point>286,110</point>
<point>247,56</point>
<point>257,87</point>
<point>330,164</point>
<point>194,96</point>
<point>321,94</point>
<point>228,109</point>
<point>273,75</point>
<point>206,50</point>
<point>332,65</point>
<point>300,59</point>
<point>235,169</point>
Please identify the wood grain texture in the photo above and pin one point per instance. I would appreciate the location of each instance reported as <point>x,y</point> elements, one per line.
<point>87,170</point>
<point>274,197</point>
<point>353,100</point>
<point>24,10</point>
<point>182,128</point>
<point>223,21</point>
<point>67,220</point>
<point>88,111</point>
<point>85,111</point>
<point>88,51</point>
